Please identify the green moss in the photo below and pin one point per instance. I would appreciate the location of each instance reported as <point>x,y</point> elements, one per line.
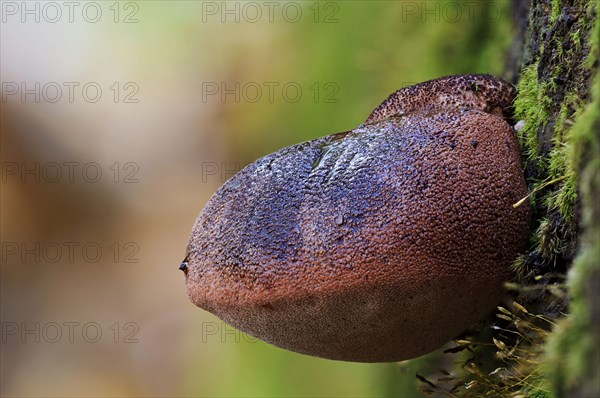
<point>560,164</point>
<point>556,6</point>
<point>536,105</point>
<point>573,350</point>
<point>582,136</point>
<point>594,40</point>
<point>531,106</point>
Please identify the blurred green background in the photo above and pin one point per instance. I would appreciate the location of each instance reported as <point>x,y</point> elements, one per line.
<point>161,157</point>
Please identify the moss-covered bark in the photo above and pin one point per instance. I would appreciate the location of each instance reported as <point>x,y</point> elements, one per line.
<point>573,349</point>
<point>559,90</point>
<point>547,342</point>
<point>558,100</point>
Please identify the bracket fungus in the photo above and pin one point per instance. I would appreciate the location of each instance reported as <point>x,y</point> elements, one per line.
<point>377,244</point>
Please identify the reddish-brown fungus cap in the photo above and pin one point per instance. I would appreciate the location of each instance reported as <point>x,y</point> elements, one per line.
<point>377,244</point>
<point>483,92</point>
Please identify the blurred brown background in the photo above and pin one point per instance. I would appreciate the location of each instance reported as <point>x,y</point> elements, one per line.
<point>120,119</point>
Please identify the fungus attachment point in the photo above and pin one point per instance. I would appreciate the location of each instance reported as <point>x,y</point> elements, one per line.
<point>378,244</point>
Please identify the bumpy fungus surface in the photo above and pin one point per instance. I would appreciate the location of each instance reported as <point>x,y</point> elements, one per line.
<point>377,244</point>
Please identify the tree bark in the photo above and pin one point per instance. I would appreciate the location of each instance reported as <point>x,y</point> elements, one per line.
<point>559,100</point>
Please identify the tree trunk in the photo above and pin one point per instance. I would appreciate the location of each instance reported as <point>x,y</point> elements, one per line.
<point>559,101</point>
<point>546,343</point>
